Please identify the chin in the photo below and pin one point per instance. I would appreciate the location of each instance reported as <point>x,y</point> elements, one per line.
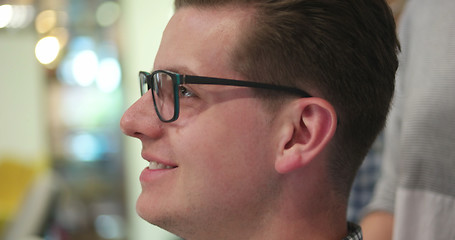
<point>151,212</point>
<point>146,209</point>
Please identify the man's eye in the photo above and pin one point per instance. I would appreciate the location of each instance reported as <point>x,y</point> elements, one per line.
<point>184,92</point>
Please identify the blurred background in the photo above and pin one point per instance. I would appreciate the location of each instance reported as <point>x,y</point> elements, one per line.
<point>68,70</point>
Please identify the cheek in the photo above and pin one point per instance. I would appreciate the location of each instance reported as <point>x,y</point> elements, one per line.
<point>229,148</point>
<point>226,132</point>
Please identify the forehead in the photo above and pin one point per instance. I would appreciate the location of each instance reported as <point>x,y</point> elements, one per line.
<point>201,39</point>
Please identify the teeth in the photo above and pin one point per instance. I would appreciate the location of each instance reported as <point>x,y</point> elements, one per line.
<point>155,165</point>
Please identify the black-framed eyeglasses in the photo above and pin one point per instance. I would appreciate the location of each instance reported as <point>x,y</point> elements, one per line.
<point>165,89</point>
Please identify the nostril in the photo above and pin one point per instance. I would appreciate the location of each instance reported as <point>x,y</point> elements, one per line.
<point>137,135</point>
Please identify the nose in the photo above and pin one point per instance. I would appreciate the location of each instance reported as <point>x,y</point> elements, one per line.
<point>140,120</point>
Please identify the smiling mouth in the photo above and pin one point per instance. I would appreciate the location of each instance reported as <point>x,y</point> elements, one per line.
<point>155,165</point>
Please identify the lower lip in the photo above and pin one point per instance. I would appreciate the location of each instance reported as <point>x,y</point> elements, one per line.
<point>150,175</point>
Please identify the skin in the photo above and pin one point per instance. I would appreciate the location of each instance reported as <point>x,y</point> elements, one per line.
<point>238,174</point>
<point>378,226</point>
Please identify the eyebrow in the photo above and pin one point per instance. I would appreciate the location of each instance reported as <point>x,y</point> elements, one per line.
<point>180,69</point>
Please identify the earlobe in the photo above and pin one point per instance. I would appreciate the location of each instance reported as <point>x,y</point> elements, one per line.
<point>309,127</point>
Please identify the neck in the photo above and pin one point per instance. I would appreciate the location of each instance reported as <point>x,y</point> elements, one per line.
<point>315,217</point>
<point>303,209</point>
<point>313,226</point>
<point>293,217</point>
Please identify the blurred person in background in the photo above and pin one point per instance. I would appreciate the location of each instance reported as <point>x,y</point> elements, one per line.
<point>415,196</point>
<point>368,174</point>
<point>257,115</point>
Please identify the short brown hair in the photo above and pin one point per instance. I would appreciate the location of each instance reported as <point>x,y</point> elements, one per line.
<point>344,51</point>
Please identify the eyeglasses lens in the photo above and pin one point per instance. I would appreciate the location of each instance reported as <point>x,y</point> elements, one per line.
<point>163,94</point>
<point>143,83</point>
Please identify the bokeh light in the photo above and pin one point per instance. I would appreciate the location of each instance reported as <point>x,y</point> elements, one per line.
<point>109,226</point>
<point>85,147</point>
<point>16,16</point>
<point>109,75</point>
<point>6,15</point>
<point>47,49</point>
<point>45,21</point>
<point>85,67</point>
<point>61,34</point>
<point>107,13</point>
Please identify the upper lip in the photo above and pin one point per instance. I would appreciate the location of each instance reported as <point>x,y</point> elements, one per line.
<point>151,158</point>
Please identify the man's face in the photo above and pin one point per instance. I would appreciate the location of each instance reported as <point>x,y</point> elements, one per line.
<point>221,148</point>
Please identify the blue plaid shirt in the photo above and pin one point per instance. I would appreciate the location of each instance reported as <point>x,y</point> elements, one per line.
<point>365,181</point>
<point>354,232</point>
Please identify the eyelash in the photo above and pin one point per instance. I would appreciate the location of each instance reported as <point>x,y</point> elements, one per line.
<point>185,92</point>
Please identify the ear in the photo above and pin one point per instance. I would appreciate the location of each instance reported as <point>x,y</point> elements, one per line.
<point>309,125</point>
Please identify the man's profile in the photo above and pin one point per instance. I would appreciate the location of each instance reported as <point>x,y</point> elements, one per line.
<point>257,114</point>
